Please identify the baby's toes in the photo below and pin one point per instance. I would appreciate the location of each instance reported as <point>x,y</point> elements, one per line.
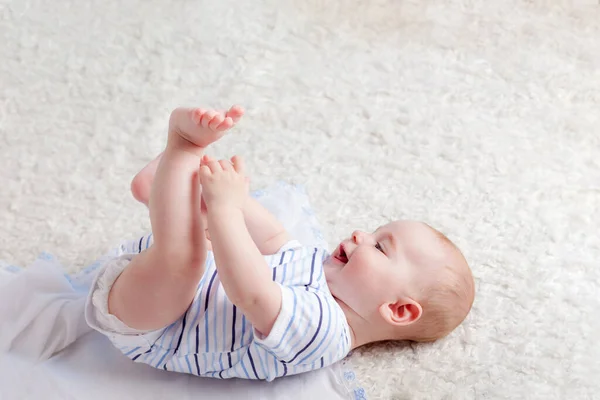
<point>226,124</point>
<point>216,121</point>
<point>235,113</point>
<point>207,117</point>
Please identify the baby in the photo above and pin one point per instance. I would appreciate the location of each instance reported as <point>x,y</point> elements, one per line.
<point>219,289</point>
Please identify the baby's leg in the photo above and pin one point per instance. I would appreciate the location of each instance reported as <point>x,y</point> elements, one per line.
<point>158,285</point>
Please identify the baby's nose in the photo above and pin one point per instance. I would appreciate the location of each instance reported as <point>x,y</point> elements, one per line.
<point>358,237</point>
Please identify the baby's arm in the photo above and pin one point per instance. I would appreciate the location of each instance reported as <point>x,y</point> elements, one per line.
<point>242,269</point>
<point>266,231</point>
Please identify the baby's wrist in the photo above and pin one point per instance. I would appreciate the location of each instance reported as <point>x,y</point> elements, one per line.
<point>223,209</point>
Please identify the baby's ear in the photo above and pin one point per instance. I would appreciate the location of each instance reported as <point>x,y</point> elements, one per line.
<point>401,313</point>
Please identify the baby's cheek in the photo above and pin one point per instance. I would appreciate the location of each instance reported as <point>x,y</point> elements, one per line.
<point>361,273</point>
<point>362,264</point>
<point>370,274</point>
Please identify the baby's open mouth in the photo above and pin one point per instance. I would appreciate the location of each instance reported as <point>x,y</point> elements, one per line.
<point>341,254</point>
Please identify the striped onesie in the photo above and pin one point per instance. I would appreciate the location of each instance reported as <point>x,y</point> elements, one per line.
<point>214,339</point>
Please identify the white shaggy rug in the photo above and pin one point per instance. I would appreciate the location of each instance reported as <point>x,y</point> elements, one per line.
<point>479,117</point>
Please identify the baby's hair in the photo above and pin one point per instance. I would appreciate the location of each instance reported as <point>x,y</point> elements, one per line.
<point>446,303</point>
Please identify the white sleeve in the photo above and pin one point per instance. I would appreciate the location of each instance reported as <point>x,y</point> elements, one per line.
<point>310,326</point>
<point>292,244</point>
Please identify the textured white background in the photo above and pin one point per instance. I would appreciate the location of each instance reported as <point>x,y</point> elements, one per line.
<point>479,117</point>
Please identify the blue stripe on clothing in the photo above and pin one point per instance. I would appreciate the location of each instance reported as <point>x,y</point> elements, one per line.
<point>320,277</point>
<point>173,336</point>
<point>132,350</point>
<point>233,318</point>
<point>141,354</point>
<point>182,330</point>
<point>285,266</point>
<point>330,345</point>
<point>162,358</point>
<point>306,309</point>
<point>275,267</point>
<point>224,333</point>
<point>287,328</point>
<point>245,370</point>
<point>147,357</point>
<point>197,338</point>
<point>260,352</point>
<point>233,330</point>
<point>316,332</point>
<point>312,269</point>
<point>215,318</point>
<point>197,366</point>
<point>194,324</point>
<point>325,336</point>
<point>212,279</point>
<point>252,363</point>
<point>161,345</point>
<point>243,330</point>
<point>187,360</point>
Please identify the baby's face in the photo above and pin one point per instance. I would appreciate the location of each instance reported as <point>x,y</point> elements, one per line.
<point>371,269</point>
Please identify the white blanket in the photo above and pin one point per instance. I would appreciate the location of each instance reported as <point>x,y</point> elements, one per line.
<point>47,350</point>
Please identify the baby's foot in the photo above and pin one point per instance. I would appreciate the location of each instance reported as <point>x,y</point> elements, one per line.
<point>203,127</point>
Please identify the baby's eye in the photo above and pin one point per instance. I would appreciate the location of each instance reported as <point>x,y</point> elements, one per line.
<point>378,247</point>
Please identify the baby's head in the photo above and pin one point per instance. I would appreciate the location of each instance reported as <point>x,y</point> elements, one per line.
<point>405,281</point>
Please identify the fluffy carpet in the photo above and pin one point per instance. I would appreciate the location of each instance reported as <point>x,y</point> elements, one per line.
<point>478,117</point>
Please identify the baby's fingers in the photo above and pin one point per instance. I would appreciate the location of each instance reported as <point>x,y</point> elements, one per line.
<point>212,164</point>
<point>238,164</point>
<point>204,173</point>
<point>226,165</point>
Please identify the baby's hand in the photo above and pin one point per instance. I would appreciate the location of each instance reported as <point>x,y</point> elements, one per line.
<point>223,183</point>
